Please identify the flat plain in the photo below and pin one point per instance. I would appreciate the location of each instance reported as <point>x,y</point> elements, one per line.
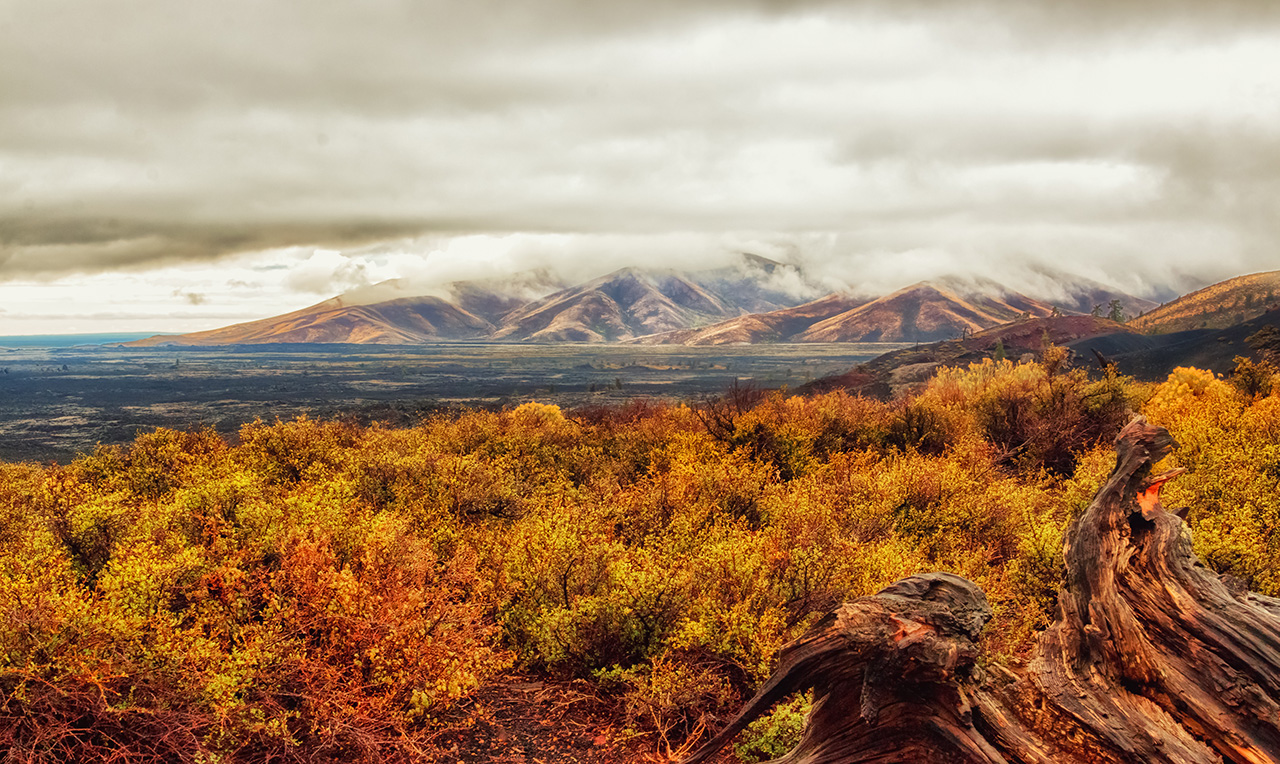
<point>57,402</point>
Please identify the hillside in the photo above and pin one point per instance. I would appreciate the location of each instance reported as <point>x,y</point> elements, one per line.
<point>924,312</point>
<point>618,306</point>
<point>405,321</point>
<point>927,311</point>
<point>774,326</point>
<point>1212,349</point>
<point>632,302</point>
<point>892,372</point>
<point>387,313</point>
<point>1216,306</point>
<point>530,306</point>
<point>755,300</point>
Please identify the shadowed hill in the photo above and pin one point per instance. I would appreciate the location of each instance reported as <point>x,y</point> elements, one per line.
<point>894,371</point>
<point>1212,349</point>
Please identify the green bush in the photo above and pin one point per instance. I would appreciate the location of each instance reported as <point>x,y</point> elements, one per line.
<point>774,735</point>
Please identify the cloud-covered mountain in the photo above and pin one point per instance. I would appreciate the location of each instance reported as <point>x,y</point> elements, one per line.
<point>627,303</point>
<point>631,303</point>
<point>924,312</point>
<point>1083,295</point>
<point>403,321</point>
<point>775,326</point>
<point>756,300</point>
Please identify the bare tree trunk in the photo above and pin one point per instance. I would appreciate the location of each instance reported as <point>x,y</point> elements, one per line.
<point>1153,657</point>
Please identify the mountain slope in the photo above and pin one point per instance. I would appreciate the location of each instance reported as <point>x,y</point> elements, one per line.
<point>618,306</point>
<point>632,302</point>
<point>1216,306</point>
<point>390,312</point>
<point>891,373</point>
<point>752,300</point>
<point>1212,349</point>
<point>405,321</point>
<point>774,326</point>
<point>923,312</point>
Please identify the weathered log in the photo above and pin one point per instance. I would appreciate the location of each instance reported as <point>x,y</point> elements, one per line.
<point>1152,658</point>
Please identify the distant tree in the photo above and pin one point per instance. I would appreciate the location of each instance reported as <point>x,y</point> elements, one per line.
<point>1115,312</point>
<point>998,352</point>
<point>1096,312</point>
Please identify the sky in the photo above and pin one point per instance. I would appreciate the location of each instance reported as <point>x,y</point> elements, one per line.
<point>181,166</point>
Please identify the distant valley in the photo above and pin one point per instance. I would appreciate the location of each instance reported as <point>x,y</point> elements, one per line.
<point>633,333</point>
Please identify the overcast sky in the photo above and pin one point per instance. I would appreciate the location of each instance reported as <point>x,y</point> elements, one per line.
<point>174,166</point>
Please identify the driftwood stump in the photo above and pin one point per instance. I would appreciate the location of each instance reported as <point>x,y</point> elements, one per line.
<point>1152,658</point>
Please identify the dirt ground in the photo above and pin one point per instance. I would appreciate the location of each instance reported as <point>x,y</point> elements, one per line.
<point>531,721</point>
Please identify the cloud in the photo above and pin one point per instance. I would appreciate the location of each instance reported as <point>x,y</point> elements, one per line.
<point>1134,140</point>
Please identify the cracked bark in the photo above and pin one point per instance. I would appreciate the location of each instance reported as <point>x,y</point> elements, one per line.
<point>1152,658</point>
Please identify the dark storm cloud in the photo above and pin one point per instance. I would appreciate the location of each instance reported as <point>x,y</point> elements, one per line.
<point>45,247</point>
<point>141,132</point>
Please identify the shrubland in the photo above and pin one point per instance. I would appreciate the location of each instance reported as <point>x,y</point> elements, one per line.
<point>321,591</point>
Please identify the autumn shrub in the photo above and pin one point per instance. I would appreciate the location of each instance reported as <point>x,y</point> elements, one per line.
<point>368,648</point>
<point>294,451</point>
<point>1228,441</point>
<point>847,423</point>
<point>185,598</point>
<point>324,591</point>
<point>1035,415</point>
<point>923,426</point>
<point>1253,378</point>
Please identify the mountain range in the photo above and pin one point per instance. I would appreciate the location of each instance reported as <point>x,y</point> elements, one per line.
<point>754,300</point>
<point>922,312</point>
<point>1136,348</point>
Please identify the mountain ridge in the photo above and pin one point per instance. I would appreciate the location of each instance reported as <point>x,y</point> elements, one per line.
<point>754,300</point>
